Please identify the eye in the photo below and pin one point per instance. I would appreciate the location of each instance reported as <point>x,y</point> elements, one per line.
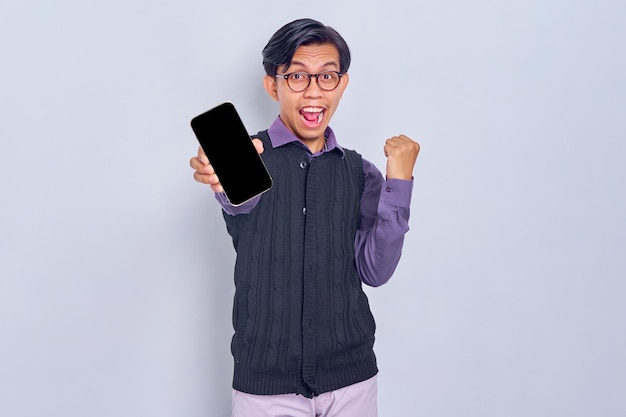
<point>327,76</point>
<point>297,76</point>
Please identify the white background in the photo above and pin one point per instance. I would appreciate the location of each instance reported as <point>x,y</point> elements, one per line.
<point>116,269</point>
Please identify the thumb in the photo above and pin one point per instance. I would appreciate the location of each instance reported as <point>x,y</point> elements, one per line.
<point>258,145</point>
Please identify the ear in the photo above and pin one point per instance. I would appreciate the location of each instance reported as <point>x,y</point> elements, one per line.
<point>270,86</point>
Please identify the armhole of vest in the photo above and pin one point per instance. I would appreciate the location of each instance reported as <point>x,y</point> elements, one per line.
<point>356,160</point>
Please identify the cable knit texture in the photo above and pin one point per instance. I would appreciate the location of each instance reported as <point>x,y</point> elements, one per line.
<point>302,322</point>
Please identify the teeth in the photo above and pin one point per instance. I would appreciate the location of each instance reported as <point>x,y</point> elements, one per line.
<point>315,110</point>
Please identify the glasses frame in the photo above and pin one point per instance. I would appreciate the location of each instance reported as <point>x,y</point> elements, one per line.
<point>309,76</point>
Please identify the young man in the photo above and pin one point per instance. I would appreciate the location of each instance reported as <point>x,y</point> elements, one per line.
<point>304,332</point>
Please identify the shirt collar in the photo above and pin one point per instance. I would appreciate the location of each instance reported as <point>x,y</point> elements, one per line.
<point>280,135</point>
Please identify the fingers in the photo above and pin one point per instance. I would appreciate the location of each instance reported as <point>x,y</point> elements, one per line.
<point>202,156</point>
<point>204,172</point>
<point>201,167</point>
<point>401,144</point>
<point>210,179</point>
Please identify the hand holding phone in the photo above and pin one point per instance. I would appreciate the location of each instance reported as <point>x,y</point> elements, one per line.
<point>204,172</point>
<point>232,155</point>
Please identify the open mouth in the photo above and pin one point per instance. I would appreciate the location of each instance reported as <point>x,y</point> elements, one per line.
<point>312,116</point>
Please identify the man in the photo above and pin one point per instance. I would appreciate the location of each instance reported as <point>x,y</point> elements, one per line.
<point>304,332</point>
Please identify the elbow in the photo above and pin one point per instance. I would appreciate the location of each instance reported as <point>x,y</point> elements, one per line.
<point>376,278</point>
<point>375,284</point>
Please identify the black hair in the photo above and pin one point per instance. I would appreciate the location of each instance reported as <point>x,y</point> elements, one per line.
<point>283,44</point>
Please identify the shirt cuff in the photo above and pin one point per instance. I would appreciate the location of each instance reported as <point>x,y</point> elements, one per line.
<point>397,192</point>
<point>231,210</point>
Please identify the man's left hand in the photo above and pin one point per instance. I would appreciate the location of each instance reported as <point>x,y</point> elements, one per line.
<point>401,153</point>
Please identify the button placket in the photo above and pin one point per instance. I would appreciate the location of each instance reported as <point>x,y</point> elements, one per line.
<point>304,165</point>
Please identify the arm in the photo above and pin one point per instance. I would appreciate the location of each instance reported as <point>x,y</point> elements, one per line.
<point>385,212</point>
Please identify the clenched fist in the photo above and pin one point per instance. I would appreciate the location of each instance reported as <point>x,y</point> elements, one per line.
<point>401,153</point>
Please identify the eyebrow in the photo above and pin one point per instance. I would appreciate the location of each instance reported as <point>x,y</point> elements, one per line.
<point>326,64</point>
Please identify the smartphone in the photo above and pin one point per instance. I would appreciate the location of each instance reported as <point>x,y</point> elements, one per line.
<point>225,140</point>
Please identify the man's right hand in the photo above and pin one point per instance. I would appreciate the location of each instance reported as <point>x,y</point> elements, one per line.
<point>204,172</point>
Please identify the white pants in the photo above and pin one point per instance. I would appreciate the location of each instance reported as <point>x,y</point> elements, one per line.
<point>358,400</point>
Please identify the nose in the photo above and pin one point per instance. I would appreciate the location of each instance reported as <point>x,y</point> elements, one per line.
<point>313,90</point>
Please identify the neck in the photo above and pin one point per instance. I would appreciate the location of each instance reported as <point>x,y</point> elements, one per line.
<point>315,145</point>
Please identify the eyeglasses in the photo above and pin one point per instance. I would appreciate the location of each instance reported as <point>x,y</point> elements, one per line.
<point>300,81</point>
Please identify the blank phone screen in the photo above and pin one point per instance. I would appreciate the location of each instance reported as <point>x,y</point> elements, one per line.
<point>224,139</point>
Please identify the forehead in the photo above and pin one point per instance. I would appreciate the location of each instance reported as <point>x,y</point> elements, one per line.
<point>315,56</point>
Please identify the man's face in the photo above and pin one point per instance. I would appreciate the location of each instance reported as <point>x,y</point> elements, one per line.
<point>307,113</point>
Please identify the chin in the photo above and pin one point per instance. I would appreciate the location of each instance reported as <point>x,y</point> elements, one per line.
<point>311,134</point>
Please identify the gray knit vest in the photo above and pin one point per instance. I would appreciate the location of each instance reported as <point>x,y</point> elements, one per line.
<point>302,322</point>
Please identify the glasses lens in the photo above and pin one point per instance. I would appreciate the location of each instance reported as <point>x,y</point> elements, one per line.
<point>328,80</point>
<point>298,81</point>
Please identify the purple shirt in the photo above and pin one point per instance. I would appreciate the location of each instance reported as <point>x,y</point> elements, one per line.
<point>384,210</point>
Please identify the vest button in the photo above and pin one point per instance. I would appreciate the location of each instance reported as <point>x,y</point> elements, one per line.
<point>304,211</point>
<point>304,164</point>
